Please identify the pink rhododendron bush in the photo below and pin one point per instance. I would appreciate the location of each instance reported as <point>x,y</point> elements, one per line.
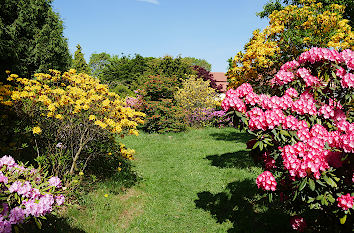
<point>26,194</point>
<point>304,138</point>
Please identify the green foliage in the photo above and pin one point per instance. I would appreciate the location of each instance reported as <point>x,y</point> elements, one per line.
<point>170,66</point>
<point>159,87</point>
<point>31,38</point>
<point>122,90</point>
<point>192,61</point>
<point>79,63</point>
<point>97,63</point>
<point>163,116</point>
<point>125,70</point>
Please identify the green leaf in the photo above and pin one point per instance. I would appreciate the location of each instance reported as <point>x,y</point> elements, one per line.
<point>331,198</point>
<point>261,145</point>
<point>270,197</point>
<point>312,184</point>
<point>285,133</point>
<point>330,181</point>
<point>311,199</point>
<point>38,223</point>
<point>320,183</point>
<point>343,219</point>
<point>255,145</point>
<point>303,184</point>
<point>295,195</point>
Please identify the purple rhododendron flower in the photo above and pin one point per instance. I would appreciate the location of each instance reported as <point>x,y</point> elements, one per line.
<point>3,179</point>
<point>60,199</point>
<point>25,189</point>
<point>55,181</point>
<point>17,215</point>
<point>15,186</point>
<point>8,161</point>
<point>5,226</point>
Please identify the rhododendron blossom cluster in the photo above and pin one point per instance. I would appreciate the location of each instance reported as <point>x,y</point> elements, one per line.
<point>37,195</point>
<point>266,181</point>
<point>305,133</point>
<point>345,201</point>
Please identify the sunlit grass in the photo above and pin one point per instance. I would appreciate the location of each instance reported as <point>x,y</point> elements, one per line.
<point>198,181</point>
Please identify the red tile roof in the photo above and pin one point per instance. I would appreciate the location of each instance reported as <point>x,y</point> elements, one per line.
<point>220,78</point>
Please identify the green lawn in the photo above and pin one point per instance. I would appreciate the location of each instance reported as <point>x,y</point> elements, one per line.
<point>197,181</point>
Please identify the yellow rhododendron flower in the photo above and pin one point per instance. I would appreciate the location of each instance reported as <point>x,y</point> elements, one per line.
<point>92,117</point>
<point>36,130</point>
<point>59,116</point>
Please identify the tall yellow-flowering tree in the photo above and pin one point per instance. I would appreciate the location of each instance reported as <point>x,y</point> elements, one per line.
<point>73,118</point>
<point>291,31</point>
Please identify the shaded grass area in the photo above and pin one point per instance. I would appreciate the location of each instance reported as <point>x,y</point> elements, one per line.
<point>198,181</point>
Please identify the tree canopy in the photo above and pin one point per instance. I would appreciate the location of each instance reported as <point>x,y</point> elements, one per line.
<point>31,38</point>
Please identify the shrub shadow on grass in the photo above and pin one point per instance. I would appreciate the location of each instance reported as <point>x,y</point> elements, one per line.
<point>106,172</point>
<point>53,224</point>
<point>232,136</point>
<point>240,205</point>
<point>239,159</point>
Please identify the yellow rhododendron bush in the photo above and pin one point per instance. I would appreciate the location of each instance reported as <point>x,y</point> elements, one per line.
<point>291,31</point>
<point>198,100</point>
<point>72,119</point>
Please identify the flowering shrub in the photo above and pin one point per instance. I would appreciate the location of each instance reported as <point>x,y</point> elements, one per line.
<point>26,193</point>
<point>70,117</point>
<point>200,117</point>
<point>156,100</point>
<point>196,93</point>
<point>291,31</point>
<point>304,136</point>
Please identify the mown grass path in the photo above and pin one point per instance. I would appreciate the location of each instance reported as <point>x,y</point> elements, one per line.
<point>197,181</point>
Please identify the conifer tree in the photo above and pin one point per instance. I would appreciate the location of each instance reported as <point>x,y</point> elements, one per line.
<point>79,63</point>
<point>31,38</point>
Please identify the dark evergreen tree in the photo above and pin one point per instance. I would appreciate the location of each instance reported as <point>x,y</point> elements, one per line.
<point>31,38</point>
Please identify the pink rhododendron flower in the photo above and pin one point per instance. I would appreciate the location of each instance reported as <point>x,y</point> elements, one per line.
<point>298,223</point>
<point>55,181</point>
<point>282,77</point>
<point>307,77</point>
<point>7,160</point>
<point>291,65</point>
<point>291,92</point>
<point>266,181</point>
<point>348,80</point>
<point>345,201</point>
<point>59,199</point>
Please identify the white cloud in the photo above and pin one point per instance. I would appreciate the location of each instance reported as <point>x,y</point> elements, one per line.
<point>156,2</point>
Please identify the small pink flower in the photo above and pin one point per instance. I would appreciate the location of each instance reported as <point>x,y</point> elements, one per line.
<point>345,201</point>
<point>266,181</point>
<point>298,223</point>
<point>55,181</point>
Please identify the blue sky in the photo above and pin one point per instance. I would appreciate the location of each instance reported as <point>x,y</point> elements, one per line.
<point>214,30</point>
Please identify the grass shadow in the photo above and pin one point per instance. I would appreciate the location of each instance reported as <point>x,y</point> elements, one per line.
<point>247,212</point>
<point>239,159</point>
<point>53,224</point>
<point>242,137</point>
<point>105,171</point>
